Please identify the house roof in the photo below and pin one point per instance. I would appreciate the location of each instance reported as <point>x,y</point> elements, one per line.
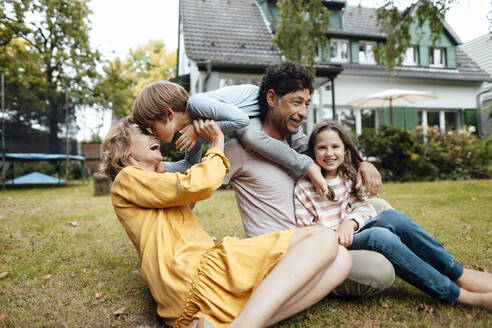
<point>466,70</point>
<point>227,31</point>
<point>480,50</point>
<point>235,33</point>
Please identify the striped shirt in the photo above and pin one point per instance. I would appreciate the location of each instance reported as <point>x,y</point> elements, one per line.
<point>311,208</point>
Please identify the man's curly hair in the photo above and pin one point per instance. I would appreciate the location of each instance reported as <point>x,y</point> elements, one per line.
<point>283,78</point>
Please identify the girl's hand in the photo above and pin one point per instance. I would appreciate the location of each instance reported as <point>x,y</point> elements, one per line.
<point>319,182</point>
<point>188,138</point>
<point>345,232</point>
<point>210,131</point>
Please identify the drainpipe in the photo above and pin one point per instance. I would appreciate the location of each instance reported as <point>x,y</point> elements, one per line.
<point>179,40</point>
<point>479,108</point>
<point>333,99</point>
<point>209,72</point>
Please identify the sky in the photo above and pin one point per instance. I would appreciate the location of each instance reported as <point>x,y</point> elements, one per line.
<point>118,25</point>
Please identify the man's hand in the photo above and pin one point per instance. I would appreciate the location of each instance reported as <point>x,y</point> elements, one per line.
<point>210,131</point>
<point>319,182</point>
<point>188,138</point>
<point>369,174</point>
<point>345,232</point>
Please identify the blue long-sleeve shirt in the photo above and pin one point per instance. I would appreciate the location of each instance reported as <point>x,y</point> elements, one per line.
<point>232,108</point>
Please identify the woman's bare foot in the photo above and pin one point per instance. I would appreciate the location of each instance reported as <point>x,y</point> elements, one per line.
<point>475,281</point>
<point>483,300</point>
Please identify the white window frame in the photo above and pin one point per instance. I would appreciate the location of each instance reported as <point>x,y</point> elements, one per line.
<point>432,56</point>
<point>366,55</point>
<point>319,54</point>
<point>410,58</point>
<point>338,58</point>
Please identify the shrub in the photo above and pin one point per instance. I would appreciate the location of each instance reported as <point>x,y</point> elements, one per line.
<point>458,154</point>
<point>401,155</point>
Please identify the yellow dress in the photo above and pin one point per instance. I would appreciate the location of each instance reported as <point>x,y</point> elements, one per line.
<point>186,273</point>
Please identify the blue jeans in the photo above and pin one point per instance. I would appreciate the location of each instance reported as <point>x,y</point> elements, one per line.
<point>417,258</point>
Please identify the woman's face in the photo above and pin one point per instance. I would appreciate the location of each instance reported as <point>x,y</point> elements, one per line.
<point>144,148</point>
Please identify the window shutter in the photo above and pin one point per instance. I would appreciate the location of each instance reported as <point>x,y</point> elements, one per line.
<point>451,57</point>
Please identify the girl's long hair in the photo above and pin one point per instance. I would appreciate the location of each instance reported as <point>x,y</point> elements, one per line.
<point>352,160</point>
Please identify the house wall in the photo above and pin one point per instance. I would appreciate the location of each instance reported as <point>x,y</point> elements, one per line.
<point>449,94</point>
<point>455,105</point>
<point>184,63</point>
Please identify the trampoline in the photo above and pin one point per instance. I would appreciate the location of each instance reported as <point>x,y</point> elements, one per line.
<point>37,178</point>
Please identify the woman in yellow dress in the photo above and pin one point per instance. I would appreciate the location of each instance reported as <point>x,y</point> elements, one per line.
<point>253,282</point>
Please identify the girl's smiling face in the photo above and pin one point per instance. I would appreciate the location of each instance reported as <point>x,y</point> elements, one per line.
<point>329,152</point>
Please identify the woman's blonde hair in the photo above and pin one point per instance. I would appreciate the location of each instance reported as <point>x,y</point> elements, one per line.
<point>155,99</point>
<point>115,149</point>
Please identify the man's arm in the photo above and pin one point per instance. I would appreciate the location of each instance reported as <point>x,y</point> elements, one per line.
<point>370,176</point>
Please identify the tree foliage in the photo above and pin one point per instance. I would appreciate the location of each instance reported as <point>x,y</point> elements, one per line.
<point>46,52</point>
<point>124,79</point>
<point>397,23</point>
<point>302,28</point>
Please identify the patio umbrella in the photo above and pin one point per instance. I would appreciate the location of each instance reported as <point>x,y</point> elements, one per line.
<point>390,97</point>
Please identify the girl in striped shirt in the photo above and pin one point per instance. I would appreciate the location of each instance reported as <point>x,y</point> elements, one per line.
<point>417,257</point>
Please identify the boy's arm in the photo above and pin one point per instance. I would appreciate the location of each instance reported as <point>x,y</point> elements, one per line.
<point>227,116</point>
<point>253,137</point>
<point>192,157</point>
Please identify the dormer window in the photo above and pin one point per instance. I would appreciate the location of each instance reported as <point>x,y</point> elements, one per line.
<point>437,57</point>
<point>410,58</point>
<point>366,52</point>
<point>339,51</point>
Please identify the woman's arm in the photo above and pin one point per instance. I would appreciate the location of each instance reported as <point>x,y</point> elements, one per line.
<point>191,158</point>
<point>158,190</point>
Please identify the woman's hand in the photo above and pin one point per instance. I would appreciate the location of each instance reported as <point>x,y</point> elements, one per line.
<point>188,138</point>
<point>210,131</point>
<point>369,174</point>
<point>319,182</point>
<point>345,232</point>
<point>161,168</point>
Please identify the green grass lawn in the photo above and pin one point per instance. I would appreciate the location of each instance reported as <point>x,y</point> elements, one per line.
<point>65,260</point>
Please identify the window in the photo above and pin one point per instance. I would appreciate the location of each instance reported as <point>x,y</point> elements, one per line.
<point>410,58</point>
<point>437,57</point>
<point>339,51</point>
<point>366,52</point>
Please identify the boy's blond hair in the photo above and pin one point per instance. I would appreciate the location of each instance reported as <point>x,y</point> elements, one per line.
<point>155,99</point>
<point>115,149</point>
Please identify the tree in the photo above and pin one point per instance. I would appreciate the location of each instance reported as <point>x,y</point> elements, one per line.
<point>397,23</point>
<point>301,29</point>
<point>303,26</point>
<point>55,35</point>
<point>123,80</point>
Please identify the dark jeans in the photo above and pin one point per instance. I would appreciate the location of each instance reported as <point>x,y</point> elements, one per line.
<point>417,258</point>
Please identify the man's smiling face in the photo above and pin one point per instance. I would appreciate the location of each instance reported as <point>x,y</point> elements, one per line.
<point>288,111</point>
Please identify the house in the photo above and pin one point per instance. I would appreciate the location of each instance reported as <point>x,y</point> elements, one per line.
<point>480,50</point>
<point>228,42</point>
